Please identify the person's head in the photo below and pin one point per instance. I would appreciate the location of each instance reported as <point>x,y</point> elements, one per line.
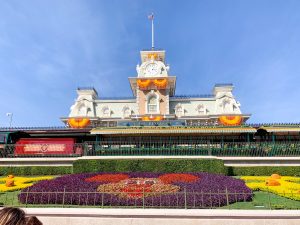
<point>32,220</point>
<point>12,216</point>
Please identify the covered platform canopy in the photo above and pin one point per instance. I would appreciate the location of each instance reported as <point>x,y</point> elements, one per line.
<point>170,130</point>
<point>282,128</point>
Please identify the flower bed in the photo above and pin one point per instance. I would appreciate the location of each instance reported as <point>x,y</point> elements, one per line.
<point>288,187</point>
<point>21,182</point>
<point>192,190</point>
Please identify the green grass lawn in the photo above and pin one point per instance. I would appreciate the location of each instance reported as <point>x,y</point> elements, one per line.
<point>266,200</point>
<point>261,200</point>
<point>9,198</point>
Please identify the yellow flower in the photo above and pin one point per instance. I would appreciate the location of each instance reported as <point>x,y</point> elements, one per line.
<point>289,186</point>
<point>21,182</point>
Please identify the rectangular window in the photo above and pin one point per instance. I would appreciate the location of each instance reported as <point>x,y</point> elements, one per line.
<point>152,108</point>
<point>2,138</point>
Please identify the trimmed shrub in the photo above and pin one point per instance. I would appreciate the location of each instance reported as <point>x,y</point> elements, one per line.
<point>264,171</point>
<point>150,165</point>
<point>36,170</point>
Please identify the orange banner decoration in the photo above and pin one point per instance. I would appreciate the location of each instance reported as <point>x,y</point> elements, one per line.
<point>143,83</point>
<point>79,122</point>
<point>160,83</point>
<point>152,118</point>
<point>152,56</point>
<point>230,120</point>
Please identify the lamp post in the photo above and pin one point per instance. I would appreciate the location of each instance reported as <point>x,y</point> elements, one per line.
<point>10,115</point>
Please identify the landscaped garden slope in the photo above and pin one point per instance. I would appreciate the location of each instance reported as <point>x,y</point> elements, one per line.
<point>285,186</point>
<point>19,183</point>
<point>192,190</point>
<point>151,165</point>
<point>176,190</point>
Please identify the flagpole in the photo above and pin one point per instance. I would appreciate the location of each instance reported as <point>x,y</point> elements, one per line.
<point>152,32</point>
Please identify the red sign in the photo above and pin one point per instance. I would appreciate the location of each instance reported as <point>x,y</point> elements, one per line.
<point>44,146</point>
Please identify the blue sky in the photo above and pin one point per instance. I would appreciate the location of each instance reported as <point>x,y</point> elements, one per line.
<point>49,48</point>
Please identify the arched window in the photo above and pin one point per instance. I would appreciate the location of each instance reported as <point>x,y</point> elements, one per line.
<point>201,109</point>
<point>126,112</point>
<point>179,110</point>
<point>106,111</point>
<point>82,110</point>
<point>152,104</point>
<point>227,105</point>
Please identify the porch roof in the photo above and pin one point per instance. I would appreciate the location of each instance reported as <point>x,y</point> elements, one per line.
<point>171,130</point>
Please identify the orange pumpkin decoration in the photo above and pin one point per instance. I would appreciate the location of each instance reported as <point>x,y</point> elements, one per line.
<point>275,176</point>
<point>79,122</point>
<point>230,120</point>
<point>143,83</point>
<point>160,83</point>
<point>10,181</point>
<point>153,118</point>
<point>272,182</point>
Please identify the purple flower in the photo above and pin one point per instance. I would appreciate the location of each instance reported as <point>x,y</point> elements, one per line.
<point>210,190</point>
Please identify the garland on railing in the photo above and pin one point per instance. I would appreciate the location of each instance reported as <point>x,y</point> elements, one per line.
<point>79,122</point>
<point>152,118</point>
<point>159,83</point>
<point>143,83</point>
<point>231,120</point>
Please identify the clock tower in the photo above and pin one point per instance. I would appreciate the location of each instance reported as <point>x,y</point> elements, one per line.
<point>153,89</point>
<point>153,86</point>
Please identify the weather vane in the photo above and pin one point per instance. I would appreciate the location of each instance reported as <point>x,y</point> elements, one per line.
<point>151,17</point>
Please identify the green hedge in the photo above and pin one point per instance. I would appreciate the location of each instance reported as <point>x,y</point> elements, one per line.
<point>264,171</point>
<point>36,170</point>
<point>150,165</point>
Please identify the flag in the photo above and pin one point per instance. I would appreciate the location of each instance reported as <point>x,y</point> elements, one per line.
<point>151,16</point>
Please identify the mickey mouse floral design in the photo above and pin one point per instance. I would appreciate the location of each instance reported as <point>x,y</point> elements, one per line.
<point>124,186</point>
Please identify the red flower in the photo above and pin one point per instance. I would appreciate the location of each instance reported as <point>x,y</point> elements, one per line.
<point>138,187</point>
<point>178,177</point>
<point>108,178</point>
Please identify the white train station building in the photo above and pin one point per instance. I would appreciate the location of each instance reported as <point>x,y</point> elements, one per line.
<point>154,99</point>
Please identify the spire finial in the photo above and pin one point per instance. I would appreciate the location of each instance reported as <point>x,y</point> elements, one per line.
<point>151,17</point>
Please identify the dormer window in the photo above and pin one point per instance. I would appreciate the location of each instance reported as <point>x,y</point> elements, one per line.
<point>201,109</point>
<point>126,112</point>
<point>82,110</point>
<point>227,105</point>
<point>106,111</point>
<point>179,110</point>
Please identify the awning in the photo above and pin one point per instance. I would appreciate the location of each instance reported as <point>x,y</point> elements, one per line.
<point>171,130</point>
<point>281,129</point>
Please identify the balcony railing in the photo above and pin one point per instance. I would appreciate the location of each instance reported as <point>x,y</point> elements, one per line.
<point>143,199</point>
<point>155,148</point>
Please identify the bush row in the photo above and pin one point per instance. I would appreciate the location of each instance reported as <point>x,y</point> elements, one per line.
<point>151,165</point>
<point>36,170</point>
<point>264,171</point>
